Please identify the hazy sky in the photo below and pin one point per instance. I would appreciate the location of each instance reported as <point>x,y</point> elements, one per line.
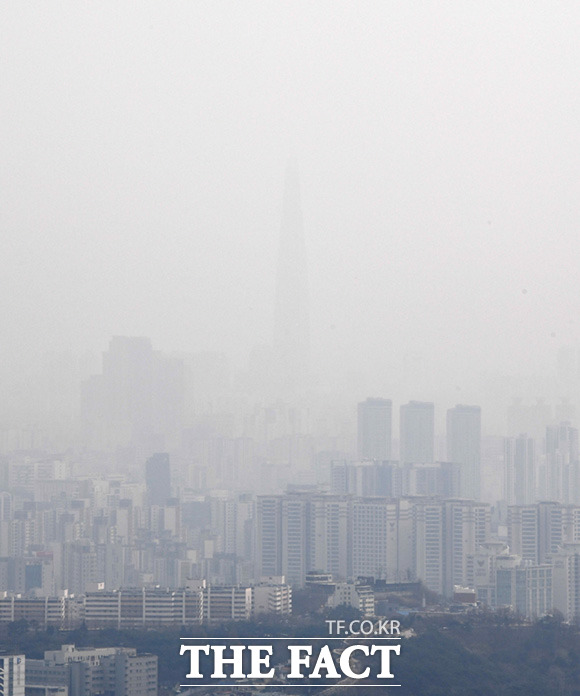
<point>143,153</point>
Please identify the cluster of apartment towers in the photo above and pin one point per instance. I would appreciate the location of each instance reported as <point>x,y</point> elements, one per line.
<point>418,519</point>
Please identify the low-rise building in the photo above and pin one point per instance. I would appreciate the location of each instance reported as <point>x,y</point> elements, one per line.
<point>134,608</point>
<point>43,690</point>
<point>226,603</point>
<point>62,612</point>
<point>95,671</point>
<point>272,596</point>
<point>357,596</point>
<point>504,580</point>
<point>12,674</point>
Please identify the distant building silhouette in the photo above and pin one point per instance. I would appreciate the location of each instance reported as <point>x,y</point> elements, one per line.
<point>158,479</point>
<point>137,398</point>
<point>374,429</point>
<point>464,447</point>
<point>291,323</point>
<point>520,470</point>
<point>561,477</point>
<point>417,428</point>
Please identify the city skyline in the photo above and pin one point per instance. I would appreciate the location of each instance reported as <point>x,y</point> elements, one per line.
<point>289,346</point>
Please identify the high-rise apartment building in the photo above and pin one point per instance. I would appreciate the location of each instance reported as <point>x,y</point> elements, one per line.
<point>344,536</point>
<point>283,537</point>
<point>551,523</point>
<point>417,433</point>
<point>464,447</point>
<point>524,531</point>
<point>429,543</point>
<point>467,526</point>
<point>535,532</point>
<point>566,581</point>
<point>369,527</point>
<point>329,523</point>
<point>295,539</point>
<point>374,429</point>
<point>446,534</point>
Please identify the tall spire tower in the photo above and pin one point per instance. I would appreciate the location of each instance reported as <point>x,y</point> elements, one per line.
<point>291,325</point>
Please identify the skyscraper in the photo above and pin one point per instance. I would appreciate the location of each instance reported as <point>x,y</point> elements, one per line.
<point>464,447</point>
<point>158,479</point>
<point>374,429</point>
<point>417,430</point>
<point>291,326</point>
